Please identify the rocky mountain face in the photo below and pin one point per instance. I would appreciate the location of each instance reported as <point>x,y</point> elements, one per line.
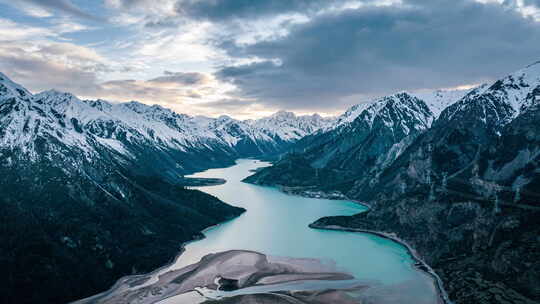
<point>463,192</point>
<point>264,137</point>
<point>91,190</point>
<point>366,136</point>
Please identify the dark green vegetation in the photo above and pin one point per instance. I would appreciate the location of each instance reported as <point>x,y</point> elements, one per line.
<point>68,237</point>
<point>465,192</point>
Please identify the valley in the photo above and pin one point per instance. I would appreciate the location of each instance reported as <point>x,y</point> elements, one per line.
<point>450,178</point>
<point>276,225</point>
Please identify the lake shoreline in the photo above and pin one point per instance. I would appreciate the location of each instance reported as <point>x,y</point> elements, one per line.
<point>145,281</point>
<point>419,264</point>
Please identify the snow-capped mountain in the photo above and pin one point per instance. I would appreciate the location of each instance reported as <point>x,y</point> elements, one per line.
<point>463,191</point>
<point>438,100</point>
<point>371,137</point>
<point>287,126</point>
<point>501,101</point>
<point>92,185</point>
<point>359,139</point>
<point>189,142</point>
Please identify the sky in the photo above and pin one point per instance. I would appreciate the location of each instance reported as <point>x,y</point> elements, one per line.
<point>250,58</point>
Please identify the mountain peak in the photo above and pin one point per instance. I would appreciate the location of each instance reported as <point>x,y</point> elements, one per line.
<point>3,77</point>
<point>8,88</point>
<point>439,99</point>
<point>402,94</point>
<point>284,114</point>
<point>55,97</point>
<point>135,106</point>
<point>224,118</point>
<point>55,92</point>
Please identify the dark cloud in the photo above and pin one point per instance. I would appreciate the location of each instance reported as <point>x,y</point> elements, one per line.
<point>219,10</point>
<point>381,49</point>
<point>64,6</point>
<point>181,78</point>
<point>31,71</point>
<point>164,23</point>
<point>532,2</point>
<point>43,67</point>
<point>132,3</point>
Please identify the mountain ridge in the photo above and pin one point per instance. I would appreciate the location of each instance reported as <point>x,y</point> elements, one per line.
<point>462,192</point>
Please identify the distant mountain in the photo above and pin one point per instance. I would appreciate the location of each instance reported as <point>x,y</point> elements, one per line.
<point>463,191</point>
<point>92,185</point>
<point>365,136</point>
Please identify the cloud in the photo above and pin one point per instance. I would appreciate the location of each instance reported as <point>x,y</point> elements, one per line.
<point>127,4</point>
<point>63,6</point>
<point>46,64</point>
<point>227,104</point>
<point>246,9</point>
<point>31,57</point>
<point>304,55</point>
<point>181,78</point>
<point>148,91</point>
<point>375,50</point>
<point>10,31</point>
<point>239,108</point>
<point>532,2</point>
<point>193,96</point>
<point>67,67</point>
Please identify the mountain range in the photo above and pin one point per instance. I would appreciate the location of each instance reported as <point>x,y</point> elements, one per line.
<point>91,184</point>
<point>93,190</point>
<point>460,185</point>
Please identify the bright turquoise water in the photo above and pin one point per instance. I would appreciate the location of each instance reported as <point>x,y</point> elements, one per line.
<point>277,224</point>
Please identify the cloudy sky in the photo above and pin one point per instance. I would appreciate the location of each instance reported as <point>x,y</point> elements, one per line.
<point>247,58</point>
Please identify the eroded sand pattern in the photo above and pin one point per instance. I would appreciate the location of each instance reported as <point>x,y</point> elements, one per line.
<point>240,276</point>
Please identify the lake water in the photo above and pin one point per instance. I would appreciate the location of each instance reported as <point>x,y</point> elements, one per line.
<point>276,223</point>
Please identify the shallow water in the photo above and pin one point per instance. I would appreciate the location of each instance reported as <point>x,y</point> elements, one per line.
<point>276,224</point>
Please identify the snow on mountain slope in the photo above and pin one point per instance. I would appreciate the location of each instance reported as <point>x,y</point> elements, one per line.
<point>289,127</point>
<point>351,149</point>
<point>83,124</point>
<point>9,89</point>
<point>439,100</point>
<point>371,109</point>
<point>499,103</point>
<point>436,100</point>
<point>351,114</point>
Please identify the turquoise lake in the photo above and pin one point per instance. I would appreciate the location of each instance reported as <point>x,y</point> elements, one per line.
<point>276,223</point>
